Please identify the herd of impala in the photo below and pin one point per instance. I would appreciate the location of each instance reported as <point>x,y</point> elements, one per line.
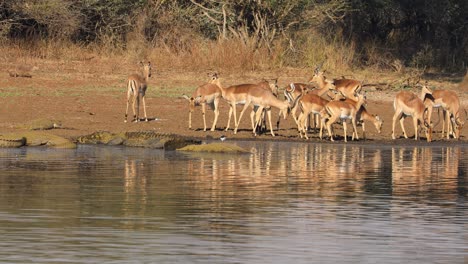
<point>322,101</point>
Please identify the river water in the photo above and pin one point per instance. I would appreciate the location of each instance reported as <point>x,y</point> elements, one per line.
<point>285,202</point>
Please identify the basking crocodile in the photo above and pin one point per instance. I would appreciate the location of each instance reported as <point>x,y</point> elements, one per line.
<point>148,139</point>
<point>34,138</point>
<point>12,142</point>
<point>41,124</point>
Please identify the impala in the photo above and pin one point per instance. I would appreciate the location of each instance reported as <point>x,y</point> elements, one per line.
<point>310,104</point>
<point>336,110</point>
<point>208,93</point>
<point>409,104</point>
<point>136,89</point>
<point>364,115</point>
<point>293,90</point>
<point>264,99</point>
<point>237,94</point>
<point>450,103</point>
<point>348,87</point>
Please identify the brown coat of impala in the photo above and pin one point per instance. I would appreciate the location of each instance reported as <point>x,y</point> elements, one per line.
<point>348,87</point>
<point>309,104</point>
<point>210,94</point>
<point>264,99</point>
<point>343,110</point>
<point>237,94</point>
<point>409,104</point>
<point>450,103</point>
<point>136,89</point>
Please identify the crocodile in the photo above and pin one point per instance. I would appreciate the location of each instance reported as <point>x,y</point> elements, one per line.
<point>6,142</point>
<point>34,138</point>
<point>148,139</point>
<point>41,124</point>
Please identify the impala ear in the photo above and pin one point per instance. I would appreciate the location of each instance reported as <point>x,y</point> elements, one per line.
<point>185,97</point>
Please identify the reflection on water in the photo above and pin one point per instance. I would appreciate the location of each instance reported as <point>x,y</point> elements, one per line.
<point>307,203</point>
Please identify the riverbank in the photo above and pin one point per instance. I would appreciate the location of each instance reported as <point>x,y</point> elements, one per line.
<point>86,99</point>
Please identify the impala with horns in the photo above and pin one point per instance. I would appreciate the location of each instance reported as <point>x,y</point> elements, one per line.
<point>208,93</point>
<point>409,104</point>
<point>348,87</point>
<point>136,89</point>
<point>450,104</point>
<point>342,110</point>
<point>313,103</point>
<point>237,94</point>
<point>293,90</point>
<point>264,99</point>
<point>309,104</point>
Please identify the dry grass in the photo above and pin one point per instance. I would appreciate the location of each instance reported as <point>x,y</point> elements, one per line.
<point>193,53</point>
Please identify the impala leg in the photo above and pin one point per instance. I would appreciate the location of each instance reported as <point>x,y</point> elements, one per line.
<point>190,118</point>
<point>144,107</point>
<point>415,124</point>
<point>203,105</point>
<point>258,119</point>
<point>303,125</point>
<point>216,114</point>
<point>269,120</point>
<point>253,119</point>
<point>402,125</point>
<point>363,130</point>
<point>240,117</point>
<point>355,132</point>
<point>135,99</point>
<point>330,121</point>
<point>444,117</point>
<point>450,125</point>
<point>293,113</point>
<point>396,117</point>
<point>299,124</point>
<point>345,129</point>
<point>128,103</point>
<point>322,123</point>
<point>229,118</point>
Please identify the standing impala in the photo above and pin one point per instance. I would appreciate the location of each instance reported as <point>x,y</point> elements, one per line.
<point>409,104</point>
<point>450,103</point>
<point>348,87</point>
<point>237,94</point>
<point>293,90</point>
<point>264,99</point>
<point>343,110</point>
<point>310,104</point>
<point>136,89</point>
<point>208,93</point>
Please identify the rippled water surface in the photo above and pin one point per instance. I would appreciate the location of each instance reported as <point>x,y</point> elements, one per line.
<point>285,202</point>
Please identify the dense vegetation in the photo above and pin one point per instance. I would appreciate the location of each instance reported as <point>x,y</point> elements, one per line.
<point>388,34</point>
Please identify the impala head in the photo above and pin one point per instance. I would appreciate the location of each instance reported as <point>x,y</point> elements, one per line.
<point>335,95</point>
<point>425,91</point>
<point>273,85</point>
<point>146,68</point>
<point>318,76</point>
<point>214,78</point>
<point>361,98</point>
<point>192,101</point>
<point>458,126</point>
<point>428,130</point>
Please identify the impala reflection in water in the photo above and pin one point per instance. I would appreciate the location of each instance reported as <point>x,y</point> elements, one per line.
<point>307,203</point>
